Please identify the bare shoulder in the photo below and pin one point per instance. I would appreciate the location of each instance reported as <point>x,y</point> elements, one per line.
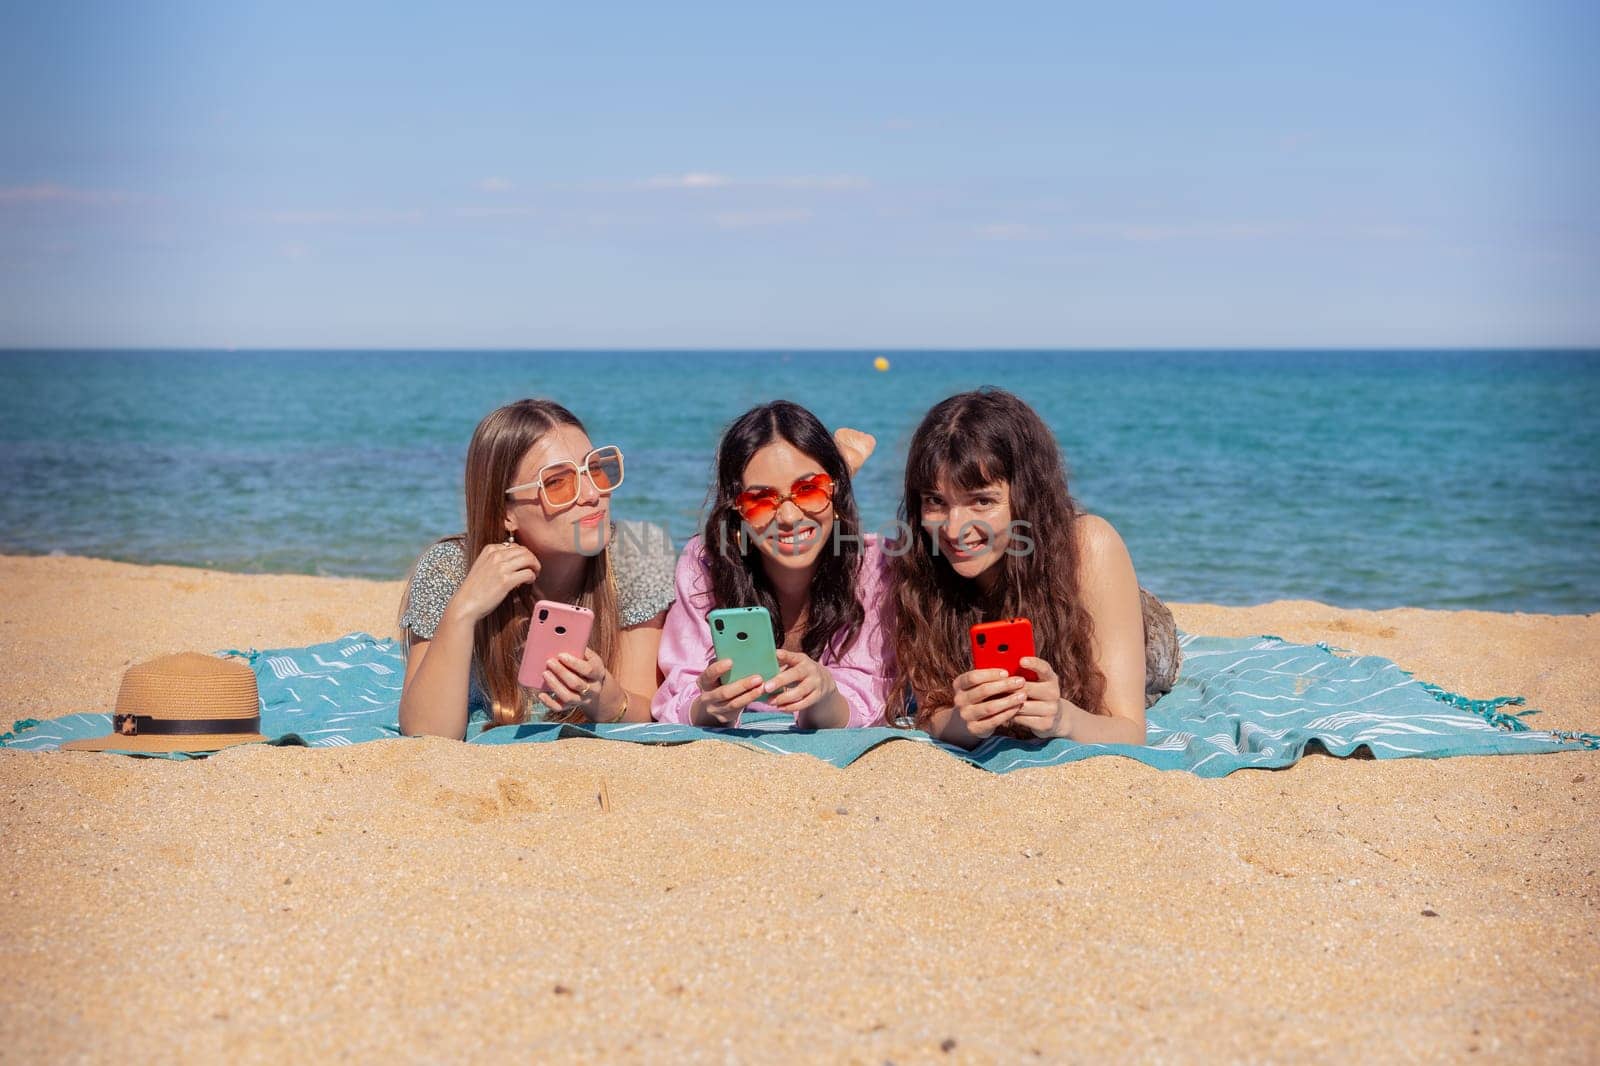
<point>1106,578</point>
<point>1104,565</point>
<point>1097,539</point>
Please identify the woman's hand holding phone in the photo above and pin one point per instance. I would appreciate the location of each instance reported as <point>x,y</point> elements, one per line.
<point>581,684</point>
<point>498,569</point>
<point>719,705</point>
<point>985,700</point>
<point>806,683</point>
<point>1044,712</point>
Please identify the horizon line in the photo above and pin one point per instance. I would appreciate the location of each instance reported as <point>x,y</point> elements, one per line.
<point>840,350</point>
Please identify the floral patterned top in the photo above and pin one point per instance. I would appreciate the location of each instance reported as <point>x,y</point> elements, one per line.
<point>642,563</point>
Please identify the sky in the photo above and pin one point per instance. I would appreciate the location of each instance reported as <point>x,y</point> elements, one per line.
<point>516,175</point>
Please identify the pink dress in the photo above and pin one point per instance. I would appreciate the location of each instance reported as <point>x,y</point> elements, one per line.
<point>863,672</point>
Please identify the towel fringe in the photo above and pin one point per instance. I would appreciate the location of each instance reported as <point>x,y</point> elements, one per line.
<point>1511,722</point>
<point>18,726</point>
<point>1489,710</point>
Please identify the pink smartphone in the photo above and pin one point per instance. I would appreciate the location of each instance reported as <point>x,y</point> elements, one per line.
<point>553,629</point>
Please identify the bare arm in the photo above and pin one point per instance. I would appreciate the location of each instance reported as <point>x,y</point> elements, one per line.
<point>636,666</point>
<point>811,692</point>
<point>1110,592</point>
<point>830,712</point>
<point>433,699</point>
<point>946,724</point>
<point>985,700</point>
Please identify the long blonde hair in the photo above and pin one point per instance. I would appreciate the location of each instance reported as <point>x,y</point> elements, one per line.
<point>496,450</point>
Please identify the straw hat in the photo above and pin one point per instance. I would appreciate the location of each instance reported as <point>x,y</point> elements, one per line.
<point>184,702</point>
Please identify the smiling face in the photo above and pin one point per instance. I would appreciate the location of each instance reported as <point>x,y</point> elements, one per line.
<point>970,528</point>
<point>793,539</point>
<point>580,527</point>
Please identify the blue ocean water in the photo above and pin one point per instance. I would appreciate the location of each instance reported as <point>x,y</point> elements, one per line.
<point>1367,479</point>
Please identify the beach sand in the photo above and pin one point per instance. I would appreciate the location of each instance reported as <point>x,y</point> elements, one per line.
<point>423,899</point>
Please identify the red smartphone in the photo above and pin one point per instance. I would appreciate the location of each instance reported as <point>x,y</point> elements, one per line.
<point>553,629</point>
<point>1003,646</point>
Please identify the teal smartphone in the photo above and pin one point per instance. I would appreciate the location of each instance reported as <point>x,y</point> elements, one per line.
<point>744,634</point>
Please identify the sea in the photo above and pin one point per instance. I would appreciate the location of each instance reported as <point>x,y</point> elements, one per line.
<point>1443,479</point>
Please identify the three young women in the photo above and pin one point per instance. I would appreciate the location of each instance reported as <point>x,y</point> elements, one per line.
<point>866,632</point>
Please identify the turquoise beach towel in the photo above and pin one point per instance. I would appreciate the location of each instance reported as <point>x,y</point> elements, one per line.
<point>1240,702</point>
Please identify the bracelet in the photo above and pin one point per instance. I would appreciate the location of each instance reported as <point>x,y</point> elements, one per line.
<point>618,718</point>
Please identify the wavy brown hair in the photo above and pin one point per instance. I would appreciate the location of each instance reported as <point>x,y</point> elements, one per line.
<point>975,439</point>
<point>495,452</point>
<point>738,578</point>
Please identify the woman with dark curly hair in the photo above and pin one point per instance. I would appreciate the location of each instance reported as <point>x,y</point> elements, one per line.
<point>995,534</point>
<point>782,533</point>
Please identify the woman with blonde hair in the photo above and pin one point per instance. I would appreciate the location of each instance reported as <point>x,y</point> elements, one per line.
<point>539,527</point>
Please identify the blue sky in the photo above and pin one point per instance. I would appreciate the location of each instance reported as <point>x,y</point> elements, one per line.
<point>862,175</point>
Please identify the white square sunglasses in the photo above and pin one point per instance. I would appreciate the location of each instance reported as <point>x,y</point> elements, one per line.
<point>558,482</point>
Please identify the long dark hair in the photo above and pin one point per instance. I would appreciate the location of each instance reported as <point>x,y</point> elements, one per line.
<point>975,439</point>
<point>737,576</point>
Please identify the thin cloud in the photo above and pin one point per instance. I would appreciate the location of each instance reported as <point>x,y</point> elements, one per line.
<point>505,211</point>
<point>50,193</point>
<point>828,183</point>
<point>347,218</point>
<point>1400,232</point>
<point>1205,231</point>
<point>709,180</point>
<point>692,180</point>
<point>1009,231</point>
<point>755,219</point>
<point>496,184</point>
<point>602,219</point>
<point>1151,233</point>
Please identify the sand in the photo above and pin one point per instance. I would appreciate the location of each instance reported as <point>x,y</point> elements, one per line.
<point>424,899</point>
